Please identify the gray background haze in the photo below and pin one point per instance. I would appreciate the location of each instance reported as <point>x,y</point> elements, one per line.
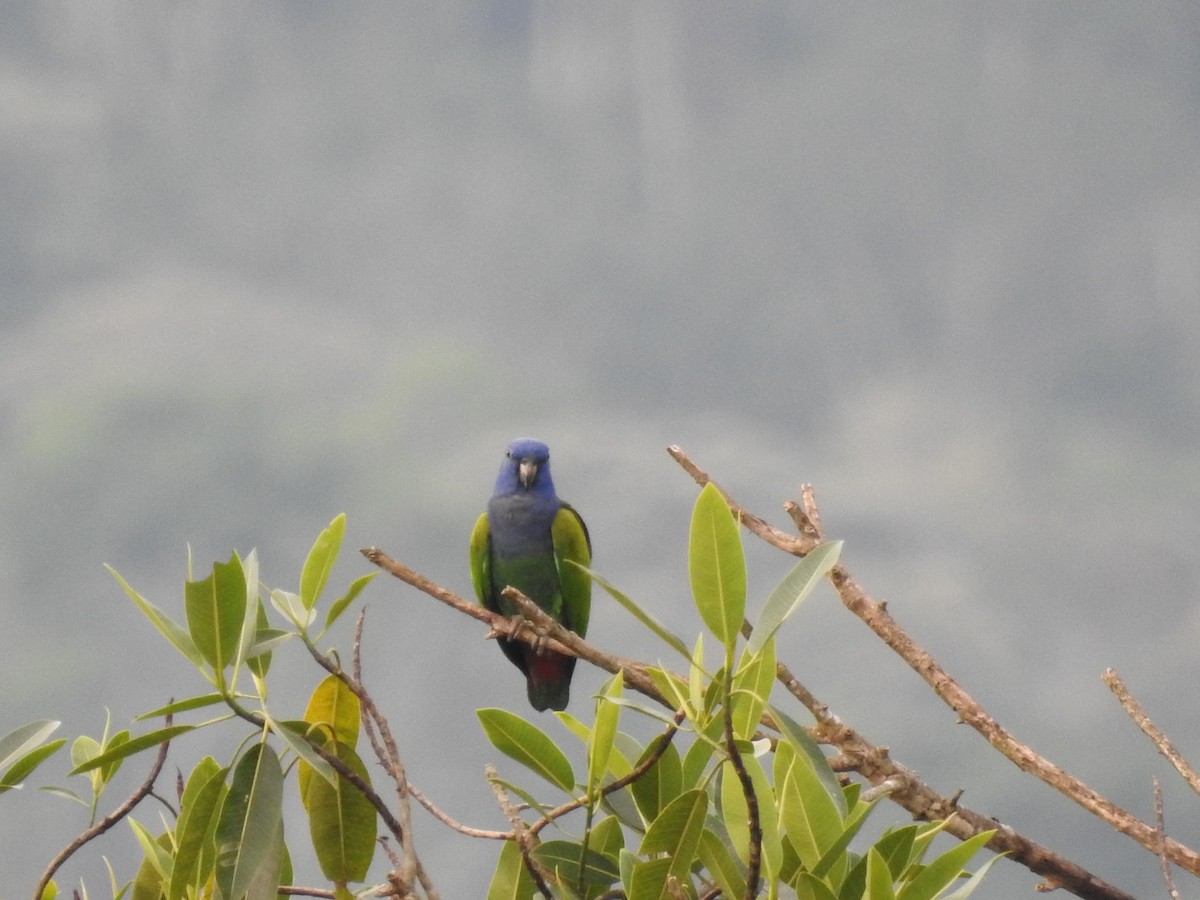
<point>264,263</point>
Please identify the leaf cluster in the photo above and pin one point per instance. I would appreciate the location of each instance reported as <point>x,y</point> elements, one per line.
<point>734,798</point>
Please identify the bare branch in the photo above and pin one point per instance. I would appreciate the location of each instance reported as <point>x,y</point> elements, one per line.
<point>1135,711</point>
<point>1161,830</point>
<point>875,615</point>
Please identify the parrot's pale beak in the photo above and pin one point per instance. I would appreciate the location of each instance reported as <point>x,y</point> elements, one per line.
<point>527,473</point>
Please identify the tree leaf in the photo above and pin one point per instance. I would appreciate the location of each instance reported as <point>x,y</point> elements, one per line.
<point>216,608</point>
<point>717,859</point>
<point>801,742</point>
<point>717,566</point>
<point>810,887</point>
<point>808,815</point>
<point>195,832</point>
<point>339,605</point>
<point>677,832</point>
<point>660,784</point>
<point>252,614</point>
<point>295,733</point>
<point>320,560</point>
<point>879,878</point>
<point>185,705</point>
<point>944,870</point>
<point>527,744</point>
<point>751,688</point>
<point>564,857</point>
<point>968,888</point>
<point>736,815</point>
<point>332,703</point>
<point>604,731</point>
<point>23,766</point>
<point>130,747</point>
<point>21,740</point>
<point>341,820</point>
<point>251,822</point>
<point>511,880</point>
<point>167,627</point>
<point>640,614</point>
<point>793,590</point>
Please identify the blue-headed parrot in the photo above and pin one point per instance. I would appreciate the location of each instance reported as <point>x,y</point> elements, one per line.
<point>524,540</point>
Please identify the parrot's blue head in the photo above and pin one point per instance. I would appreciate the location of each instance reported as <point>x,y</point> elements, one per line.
<point>526,467</point>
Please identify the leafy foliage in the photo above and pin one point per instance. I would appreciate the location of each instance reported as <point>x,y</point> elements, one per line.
<point>734,796</point>
<point>686,824</point>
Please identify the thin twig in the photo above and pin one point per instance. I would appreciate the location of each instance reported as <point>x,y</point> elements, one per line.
<point>525,841</point>
<point>108,821</point>
<point>1134,710</point>
<point>450,822</point>
<point>389,757</point>
<point>1161,829</point>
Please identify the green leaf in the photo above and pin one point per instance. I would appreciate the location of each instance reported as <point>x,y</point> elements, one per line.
<point>808,815</point>
<point>215,610</point>
<point>879,878</point>
<point>251,822</point>
<point>341,820</point>
<point>896,848</point>
<point>751,688</point>
<point>333,704</point>
<point>168,628</point>
<point>511,880</point>
<point>715,856</point>
<point>793,590</point>
<point>130,747</point>
<point>810,887</point>
<point>660,784</point>
<point>648,878</point>
<point>21,740</point>
<point>607,838</point>
<point>294,733</point>
<point>717,567</point>
<point>604,731</point>
<point>321,557</point>
<point>673,688</point>
<point>20,752</point>
<point>696,678</point>
<point>640,614</point>
<point>563,857</point>
<point>528,745</point>
<point>291,608</point>
<point>339,605</point>
<point>677,832</point>
<point>263,640</point>
<point>736,815</point>
<point>195,833</point>
<point>154,849</point>
<point>21,769</point>
<point>185,705</point>
<point>968,888</point>
<point>943,871</point>
<point>252,614</point>
<point>801,742</point>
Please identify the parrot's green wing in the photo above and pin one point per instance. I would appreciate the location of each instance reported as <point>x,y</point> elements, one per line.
<point>481,563</point>
<point>571,542</point>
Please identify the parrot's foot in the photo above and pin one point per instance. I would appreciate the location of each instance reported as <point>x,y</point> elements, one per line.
<point>521,626</point>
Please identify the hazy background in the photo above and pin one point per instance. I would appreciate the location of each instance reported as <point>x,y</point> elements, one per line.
<point>264,263</point>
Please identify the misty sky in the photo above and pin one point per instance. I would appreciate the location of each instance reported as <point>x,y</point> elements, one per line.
<point>265,263</point>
